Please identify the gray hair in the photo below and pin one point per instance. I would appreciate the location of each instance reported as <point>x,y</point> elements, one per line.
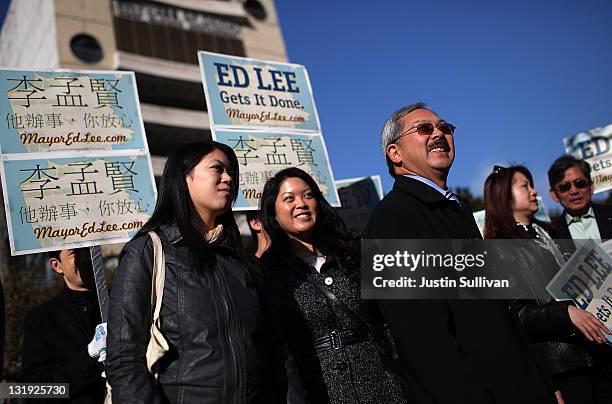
<point>393,130</point>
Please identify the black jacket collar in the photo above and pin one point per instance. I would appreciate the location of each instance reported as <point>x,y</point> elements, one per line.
<point>418,189</point>
<point>172,233</point>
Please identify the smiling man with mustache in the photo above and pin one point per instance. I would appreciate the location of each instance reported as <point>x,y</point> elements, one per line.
<point>452,351</point>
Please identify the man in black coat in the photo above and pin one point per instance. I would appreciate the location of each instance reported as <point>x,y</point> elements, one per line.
<point>571,186</point>
<point>56,333</point>
<point>453,351</point>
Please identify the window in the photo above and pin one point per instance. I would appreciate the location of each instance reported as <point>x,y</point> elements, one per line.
<point>86,48</point>
<point>174,33</point>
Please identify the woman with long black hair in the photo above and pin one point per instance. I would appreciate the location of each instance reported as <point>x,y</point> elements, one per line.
<point>332,333</point>
<point>223,348</point>
<point>555,326</point>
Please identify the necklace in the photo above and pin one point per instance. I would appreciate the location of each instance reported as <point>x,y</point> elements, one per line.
<point>528,229</point>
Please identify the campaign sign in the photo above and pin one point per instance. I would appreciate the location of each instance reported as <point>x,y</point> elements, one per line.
<point>248,93</point>
<point>358,197</point>
<point>262,154</point>
<point>59,203</point>
<point>594,147</point>
<point>46,111</point>
<point>74,159</point>
<point>585,280</point>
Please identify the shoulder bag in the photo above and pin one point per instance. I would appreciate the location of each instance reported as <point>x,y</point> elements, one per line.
<point>158,345</point>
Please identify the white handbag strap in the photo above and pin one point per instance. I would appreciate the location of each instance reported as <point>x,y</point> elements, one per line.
<point>159,275</point>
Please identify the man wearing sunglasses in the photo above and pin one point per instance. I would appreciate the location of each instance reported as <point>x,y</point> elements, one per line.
<point>571,186</point>
<point>452,351</point>
<point>581,219</point>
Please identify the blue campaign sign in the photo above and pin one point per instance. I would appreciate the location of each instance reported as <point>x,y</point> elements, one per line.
<point>249,93</point>
<point>595,147</point>
<point>586,280</point>
<point>48,111</point>
<point>262,154</point>
<point>57,203</point>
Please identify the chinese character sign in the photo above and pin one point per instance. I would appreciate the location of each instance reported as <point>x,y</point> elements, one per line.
<point>248,93</point>
<point>263,154</point>
<point>43,111</point>
<point>73,202</point>
<point>594,147</point>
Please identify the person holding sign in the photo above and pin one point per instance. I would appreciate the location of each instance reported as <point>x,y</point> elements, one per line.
<point>331,332</point>
<point>509,214</point>
<point>56,333</point>
<point>223,345</point>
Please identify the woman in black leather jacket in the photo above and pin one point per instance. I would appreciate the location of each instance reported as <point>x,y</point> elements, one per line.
<point>332,333</point>
<point>555,326</point>
<point>223,345</point>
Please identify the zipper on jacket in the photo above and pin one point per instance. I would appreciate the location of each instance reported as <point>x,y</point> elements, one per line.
<point>234,386</point>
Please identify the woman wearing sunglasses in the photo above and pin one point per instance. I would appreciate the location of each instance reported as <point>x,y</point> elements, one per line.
<point>555,327</point>
<point>313,262</point>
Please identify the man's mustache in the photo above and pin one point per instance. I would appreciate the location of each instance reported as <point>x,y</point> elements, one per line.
<point>439,143</point>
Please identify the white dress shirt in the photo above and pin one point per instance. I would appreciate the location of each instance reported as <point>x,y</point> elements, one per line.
<point>583,227</point>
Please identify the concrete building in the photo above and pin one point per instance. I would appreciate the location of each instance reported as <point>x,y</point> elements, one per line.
<point>158,40</point>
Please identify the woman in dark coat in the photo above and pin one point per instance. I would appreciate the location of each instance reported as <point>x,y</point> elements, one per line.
<point>331,332</point>
<point>223,348</point>
<point>558,328</point>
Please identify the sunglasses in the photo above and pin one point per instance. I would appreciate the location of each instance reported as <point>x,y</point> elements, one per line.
<point>427,129</point>
<point>579,183</point>
<point>498,169</point>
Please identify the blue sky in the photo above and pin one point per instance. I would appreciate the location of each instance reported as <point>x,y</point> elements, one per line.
<point>515,77</point>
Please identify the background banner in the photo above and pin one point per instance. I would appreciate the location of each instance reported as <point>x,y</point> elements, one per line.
<point>265,111</point>
<point>593,146</point>
<point>75,165</point>
<point>249,93</point>
<point>45,111</point>
<point>585,279</point>
<point>262,154</point>
<point>358,197</point>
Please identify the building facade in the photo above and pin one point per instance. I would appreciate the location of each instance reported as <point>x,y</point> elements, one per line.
<point>158,40</point>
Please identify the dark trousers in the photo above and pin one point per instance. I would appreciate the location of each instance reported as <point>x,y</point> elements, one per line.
<point>587,385</point>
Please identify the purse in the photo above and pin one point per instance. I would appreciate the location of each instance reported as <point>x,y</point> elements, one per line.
<point>157,346</point>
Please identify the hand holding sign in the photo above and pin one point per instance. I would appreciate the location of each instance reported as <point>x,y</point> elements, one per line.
<point>591,327</point>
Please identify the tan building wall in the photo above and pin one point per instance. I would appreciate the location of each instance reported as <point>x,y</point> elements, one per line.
<point>92,17</point>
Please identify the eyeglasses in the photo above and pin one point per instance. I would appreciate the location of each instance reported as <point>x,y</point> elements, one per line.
<point>427,129</point>
<point>580,183</point>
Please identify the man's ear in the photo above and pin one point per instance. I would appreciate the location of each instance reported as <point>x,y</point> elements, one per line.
<point>255,224</point>
<point>56,265</point>
<point>393,154</point>
<point>553,195</point>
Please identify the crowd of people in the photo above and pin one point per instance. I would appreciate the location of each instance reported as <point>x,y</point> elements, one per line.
<point>286,323</point>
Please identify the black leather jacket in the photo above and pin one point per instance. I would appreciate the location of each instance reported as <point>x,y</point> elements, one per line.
<point>546,321</point>
<point>224,345</point>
